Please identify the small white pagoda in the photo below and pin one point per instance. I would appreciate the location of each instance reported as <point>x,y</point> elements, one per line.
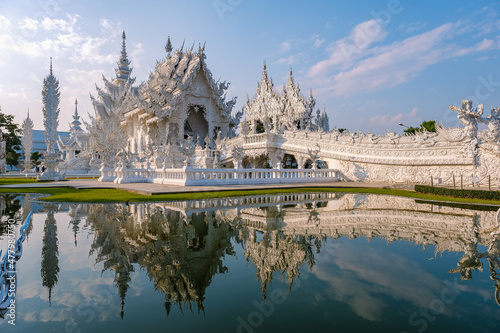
<point>75,148</point>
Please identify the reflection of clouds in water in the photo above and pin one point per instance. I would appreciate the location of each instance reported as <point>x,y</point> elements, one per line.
<point>362,276</point>
<point>94,292</point>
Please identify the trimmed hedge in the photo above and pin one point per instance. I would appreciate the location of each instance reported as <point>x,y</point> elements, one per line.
<point>485,208</point>
<point>468,194</point>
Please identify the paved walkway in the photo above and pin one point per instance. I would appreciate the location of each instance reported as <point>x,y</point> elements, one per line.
<point>154,189</point>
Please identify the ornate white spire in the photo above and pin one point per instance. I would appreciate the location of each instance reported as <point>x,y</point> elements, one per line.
<point>265,79</point>
<point>124,70</point>
<point>50,98</point>
<point>168,46</point>
<point>27,141</point>
<point>75,124</point>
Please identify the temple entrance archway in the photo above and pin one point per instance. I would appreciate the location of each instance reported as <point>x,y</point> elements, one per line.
<point>196,126</point>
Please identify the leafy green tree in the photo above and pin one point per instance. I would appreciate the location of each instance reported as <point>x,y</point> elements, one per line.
<point>428,125</point>
<point>11,132</point>
<point>36,158</point>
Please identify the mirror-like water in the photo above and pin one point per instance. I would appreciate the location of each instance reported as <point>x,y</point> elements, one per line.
<point>325,262</point>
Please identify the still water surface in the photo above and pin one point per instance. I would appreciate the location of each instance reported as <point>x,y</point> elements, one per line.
<point>321,262</point>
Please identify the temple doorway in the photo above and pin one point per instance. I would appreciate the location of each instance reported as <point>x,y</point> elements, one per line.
<point>196,126</point>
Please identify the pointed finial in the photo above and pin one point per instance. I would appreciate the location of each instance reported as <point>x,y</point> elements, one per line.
<point>168,47</point>
<point>124,36</point>
<point>28,116</point>
<point>76,106</point>
<point>50,65</point>
<point>291,73</point>
<point>265,68</point>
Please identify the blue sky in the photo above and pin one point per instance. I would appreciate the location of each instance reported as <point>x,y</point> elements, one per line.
<point>371,64</point>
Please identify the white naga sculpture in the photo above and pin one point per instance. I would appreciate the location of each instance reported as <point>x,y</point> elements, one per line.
<point>27,142</point>
<point>50,98</point>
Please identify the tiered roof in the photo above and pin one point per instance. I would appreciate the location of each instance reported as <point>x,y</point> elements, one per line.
<point>290,109</point>
<point>165,87</point>
<point>173,77</point>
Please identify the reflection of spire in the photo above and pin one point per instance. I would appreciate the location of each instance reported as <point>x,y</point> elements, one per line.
<point>180,257</point>
<point>27,207</point>
<point>112,247</point>
<point>50,253</point>
<point>122,278</point>
<point>278,252</point>
<point>75,221</point>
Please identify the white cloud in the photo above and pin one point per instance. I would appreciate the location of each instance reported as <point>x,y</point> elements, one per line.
<point>357,276</point>
<point>62,38</point>
<point>394,64</point>
<point>412,27</point>
<point>5,24</point>
<point>484,45</point>
<point>352,47</point>
<point>16,43</point>
<point>287,61</point>
<point>356,66</point>
<point>318,41</point>
<point>28,24</point>
<point>385,120</point>
<point>285,46</point>
<point>58,24</point>
<point>136,53</point>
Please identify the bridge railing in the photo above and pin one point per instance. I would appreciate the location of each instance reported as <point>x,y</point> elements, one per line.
<point>217,177</point>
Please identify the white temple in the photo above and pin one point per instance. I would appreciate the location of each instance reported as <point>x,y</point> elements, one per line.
<point>177,127</point>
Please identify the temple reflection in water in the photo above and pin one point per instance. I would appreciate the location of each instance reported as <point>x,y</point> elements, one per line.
<point>182,245</point>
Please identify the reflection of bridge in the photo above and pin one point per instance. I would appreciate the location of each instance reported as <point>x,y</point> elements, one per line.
<point>254,201</point>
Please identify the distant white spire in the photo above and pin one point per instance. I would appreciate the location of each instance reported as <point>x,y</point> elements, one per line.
<point>75,124</point>
<point>124,70</point>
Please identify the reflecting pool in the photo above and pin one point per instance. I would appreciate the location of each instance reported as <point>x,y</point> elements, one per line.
<point>321,262</point>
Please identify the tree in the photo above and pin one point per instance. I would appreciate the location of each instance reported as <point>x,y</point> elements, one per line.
<point>11,132</point>
<point>36,158</point>
<point>428,125</point>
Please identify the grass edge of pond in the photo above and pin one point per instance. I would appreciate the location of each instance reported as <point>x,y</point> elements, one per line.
<point>67,194</point>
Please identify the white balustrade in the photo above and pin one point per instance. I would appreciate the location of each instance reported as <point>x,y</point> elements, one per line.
<point>215,177</point>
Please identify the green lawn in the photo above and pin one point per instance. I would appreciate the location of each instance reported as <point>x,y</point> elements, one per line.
<point>12,181</point>
<point>65,194</point>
